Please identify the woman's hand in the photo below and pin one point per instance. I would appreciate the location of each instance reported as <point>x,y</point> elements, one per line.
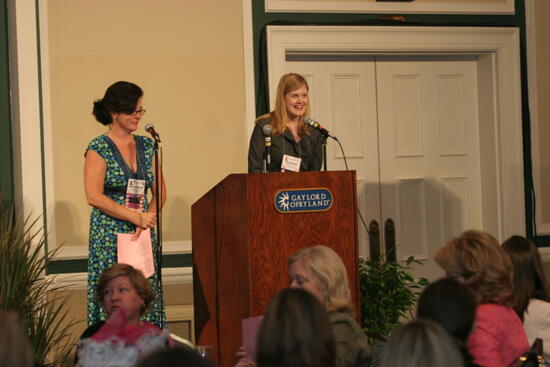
<point>242,360</point>
<point>146,220</point>
<point>137,233</point>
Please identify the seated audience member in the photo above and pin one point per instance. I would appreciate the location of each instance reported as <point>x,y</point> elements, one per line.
<point>320,271</point>
<point>125,295</point>
<point>476,259</point>
<point>295,332</point>
<point>15,350</point>
<point>180,356</point>
<point>531,292</point>
<point>421,343</point>
<point>452,306</point>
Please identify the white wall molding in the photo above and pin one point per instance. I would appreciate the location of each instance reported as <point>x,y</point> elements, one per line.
<point>532,81</point>
<point>25,106</point>
<point>248,57</point>
<point>79,281</point>
<point>369,6</point>
<point>498,55</point>
<point>81,252</point>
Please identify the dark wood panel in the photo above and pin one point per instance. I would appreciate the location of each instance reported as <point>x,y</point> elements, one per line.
<point>241,244</point>
<point>204,279</point>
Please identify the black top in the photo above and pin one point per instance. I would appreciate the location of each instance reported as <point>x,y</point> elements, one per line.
<point>91,330</point>
<point>309,149</point>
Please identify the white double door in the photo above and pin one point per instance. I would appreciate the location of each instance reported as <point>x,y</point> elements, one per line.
<point>409,127</point>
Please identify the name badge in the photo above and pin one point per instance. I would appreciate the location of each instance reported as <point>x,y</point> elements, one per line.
<point>135,195</point>
<point>290,163</point>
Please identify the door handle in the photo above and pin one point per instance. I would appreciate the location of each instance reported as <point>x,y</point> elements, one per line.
<point>374,240</point>
<point>389,239</point>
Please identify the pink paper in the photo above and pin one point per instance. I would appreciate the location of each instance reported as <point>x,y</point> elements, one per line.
<point>251,327</point>
<point>138,253</point>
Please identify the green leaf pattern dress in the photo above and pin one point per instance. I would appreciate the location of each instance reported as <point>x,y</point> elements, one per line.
<point>104,228</point>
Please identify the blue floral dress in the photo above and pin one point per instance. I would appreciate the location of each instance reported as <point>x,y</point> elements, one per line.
<point>104,228</point>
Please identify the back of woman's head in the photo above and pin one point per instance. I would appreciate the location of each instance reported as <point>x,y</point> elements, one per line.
<point>421,343</point>
<point>329,269</point>
<point>295,332</point>
<point>449,304</point>
<point>120,97</point>
<point>15,349</point>
<point>529,278</point>
<point>476,259</point>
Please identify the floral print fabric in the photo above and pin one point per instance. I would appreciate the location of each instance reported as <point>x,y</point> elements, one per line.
<point>104,228</point>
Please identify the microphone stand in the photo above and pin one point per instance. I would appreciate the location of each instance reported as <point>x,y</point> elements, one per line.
<point>324,147</point>
<point>264,161</point>
<point>158,150</point>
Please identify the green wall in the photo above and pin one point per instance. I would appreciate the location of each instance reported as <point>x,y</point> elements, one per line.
<point>6,153</point>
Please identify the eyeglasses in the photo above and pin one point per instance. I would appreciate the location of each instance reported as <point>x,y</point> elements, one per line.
<point>141,112</point>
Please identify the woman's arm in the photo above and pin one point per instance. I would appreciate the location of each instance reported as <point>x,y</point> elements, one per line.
<point>94,176</point>
<point>256,150</point>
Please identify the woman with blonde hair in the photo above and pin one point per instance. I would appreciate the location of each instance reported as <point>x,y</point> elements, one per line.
<point>292,140</point>
<point>320,271</point>
<point>476,259</point>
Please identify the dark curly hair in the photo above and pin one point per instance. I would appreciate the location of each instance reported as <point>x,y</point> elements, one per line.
<point>121,97</point>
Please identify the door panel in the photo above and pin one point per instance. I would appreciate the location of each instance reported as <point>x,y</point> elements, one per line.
<point>429,152</point>
<point>343,100</point>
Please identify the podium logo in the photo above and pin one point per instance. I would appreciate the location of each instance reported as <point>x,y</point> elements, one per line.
<point>303,200</point>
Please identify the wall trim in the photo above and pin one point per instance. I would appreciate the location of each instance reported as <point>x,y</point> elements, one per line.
<point>81,252</point>
<point>366,6</point>
<point>248,58</point>
<point>79,281</point>
<point>531,55</point>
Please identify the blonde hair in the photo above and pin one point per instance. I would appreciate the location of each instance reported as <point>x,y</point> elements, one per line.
<point>15,349</point>
<point>476,258</point>
<point>279,116</point>
<point>136,277</point>
<point>329,269</point>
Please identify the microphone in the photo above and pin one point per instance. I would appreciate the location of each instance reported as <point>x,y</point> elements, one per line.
<point>314,124</point>
<point>150,128</point>
<point>267,129</point>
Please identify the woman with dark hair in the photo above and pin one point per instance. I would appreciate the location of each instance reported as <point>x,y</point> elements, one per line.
<point>452,306</point>
<point>125,296</point>
<point>295,332</point>
<point>476,259</point>
<point>118,172</point>
<point>291,139</point>
<point>532,291</point>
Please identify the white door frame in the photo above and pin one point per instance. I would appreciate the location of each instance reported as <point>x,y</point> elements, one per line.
<point>498,54</point>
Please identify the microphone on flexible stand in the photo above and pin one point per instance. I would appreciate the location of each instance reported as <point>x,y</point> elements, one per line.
<point>314,124</point>
<point>267,129</point>
<point>150,128</point>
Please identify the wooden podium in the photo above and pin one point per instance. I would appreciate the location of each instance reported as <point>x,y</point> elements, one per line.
<point>241,243</point>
